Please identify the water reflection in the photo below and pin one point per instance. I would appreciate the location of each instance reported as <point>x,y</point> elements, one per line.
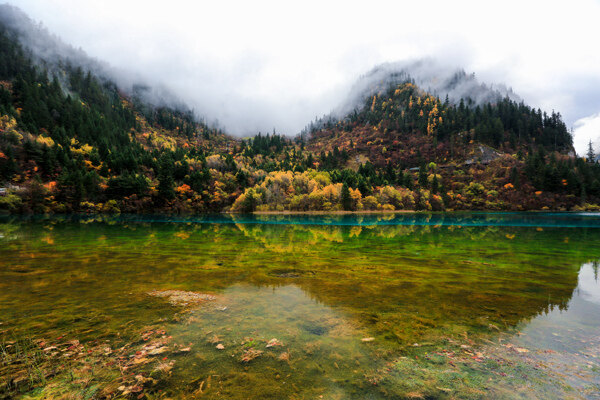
<point>589,284</point>
<point>323,283</point>
<point>567,341</point>
<point>446,275</point>
<point>515,219</point>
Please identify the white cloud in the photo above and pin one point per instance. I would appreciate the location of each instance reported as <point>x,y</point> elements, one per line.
<point>258,64</point>
<point>586,129</point>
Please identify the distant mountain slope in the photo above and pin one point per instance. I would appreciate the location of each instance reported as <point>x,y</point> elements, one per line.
<point>396,121</point>
<point>41,44</point>
<point>74,140</point>
<point>66,131</point>
<point>53,54</point>
<point>429,75</point>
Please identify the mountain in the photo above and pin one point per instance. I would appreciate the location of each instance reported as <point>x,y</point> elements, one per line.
<point>437,79</point>
<point>77,137</point>
<point>71,136</point>
<point>389,117</point>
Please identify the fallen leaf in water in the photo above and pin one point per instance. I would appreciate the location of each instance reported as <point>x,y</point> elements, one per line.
<point>135,389</point>
<point>250,355</point>
<point>183,350</point>
<point>164,367</point>
<point>274,342</point>
<point>158,350</point>
<point>214,339</point>
<point>521,350</point>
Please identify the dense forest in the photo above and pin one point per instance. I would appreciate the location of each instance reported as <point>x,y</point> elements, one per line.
<point>72,141</point>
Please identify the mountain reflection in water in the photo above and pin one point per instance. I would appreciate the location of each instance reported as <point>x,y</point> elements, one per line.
<point>459,303</point>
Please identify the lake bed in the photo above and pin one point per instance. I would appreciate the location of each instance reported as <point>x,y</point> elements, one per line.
<point>477,305</point>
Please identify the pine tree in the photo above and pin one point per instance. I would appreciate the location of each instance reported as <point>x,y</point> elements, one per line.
<point>514,178</point>
<point>346,199</point>
<point>165,179</point>
<point>435,185</point>
<point>422,175</point>
<point>591,156</point>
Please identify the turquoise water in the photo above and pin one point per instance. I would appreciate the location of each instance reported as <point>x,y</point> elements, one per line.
<point>379,306</point>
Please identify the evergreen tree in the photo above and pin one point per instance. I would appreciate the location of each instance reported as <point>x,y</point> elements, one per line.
<point>422,175</point>
<point>435,185</point>
<point>591,156</point>
<point>249,203</point>
<point>165,179</point>
<point>346,199</point>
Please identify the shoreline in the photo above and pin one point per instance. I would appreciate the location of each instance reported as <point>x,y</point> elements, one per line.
<point>335,212</point>
<point>318,213</point>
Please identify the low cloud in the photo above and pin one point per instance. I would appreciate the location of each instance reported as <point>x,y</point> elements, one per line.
<point>258,65</point>
<point>439,79</point>
<point>585,130</point>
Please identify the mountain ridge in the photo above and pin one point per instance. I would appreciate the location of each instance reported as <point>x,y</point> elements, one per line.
<point>82,144</point>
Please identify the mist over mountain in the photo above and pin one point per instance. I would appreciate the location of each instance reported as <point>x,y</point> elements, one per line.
<point>437,78</point>
<point>77,136</point>
<point>429,74</point>
<point>46,48</point>
<point>268,66</point>
<point>53,54</point>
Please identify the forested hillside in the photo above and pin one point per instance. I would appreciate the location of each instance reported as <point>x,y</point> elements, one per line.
<point>72,141</point>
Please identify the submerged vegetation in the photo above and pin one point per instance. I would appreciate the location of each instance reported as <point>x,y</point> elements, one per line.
<point>360,307</point>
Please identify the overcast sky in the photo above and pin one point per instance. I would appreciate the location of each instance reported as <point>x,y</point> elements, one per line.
<point>257,64</point>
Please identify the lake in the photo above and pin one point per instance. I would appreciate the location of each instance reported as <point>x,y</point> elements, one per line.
<point>381,306</point>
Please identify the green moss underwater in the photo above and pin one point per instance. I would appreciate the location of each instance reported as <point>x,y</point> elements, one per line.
<point>289,307</point>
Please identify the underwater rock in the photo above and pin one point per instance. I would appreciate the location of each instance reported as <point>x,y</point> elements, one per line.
<point>315,329</point>
<point>290,273</point>
<point>182,298</point>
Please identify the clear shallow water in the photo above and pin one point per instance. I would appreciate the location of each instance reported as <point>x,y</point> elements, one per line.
<point>394,306</point>
<point>524,219</point>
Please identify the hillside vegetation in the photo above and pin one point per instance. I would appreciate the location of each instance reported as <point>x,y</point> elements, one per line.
<point>72,141</point>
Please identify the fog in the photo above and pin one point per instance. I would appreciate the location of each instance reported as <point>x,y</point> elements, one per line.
<point>255,66</point>
<point>431,75</point>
